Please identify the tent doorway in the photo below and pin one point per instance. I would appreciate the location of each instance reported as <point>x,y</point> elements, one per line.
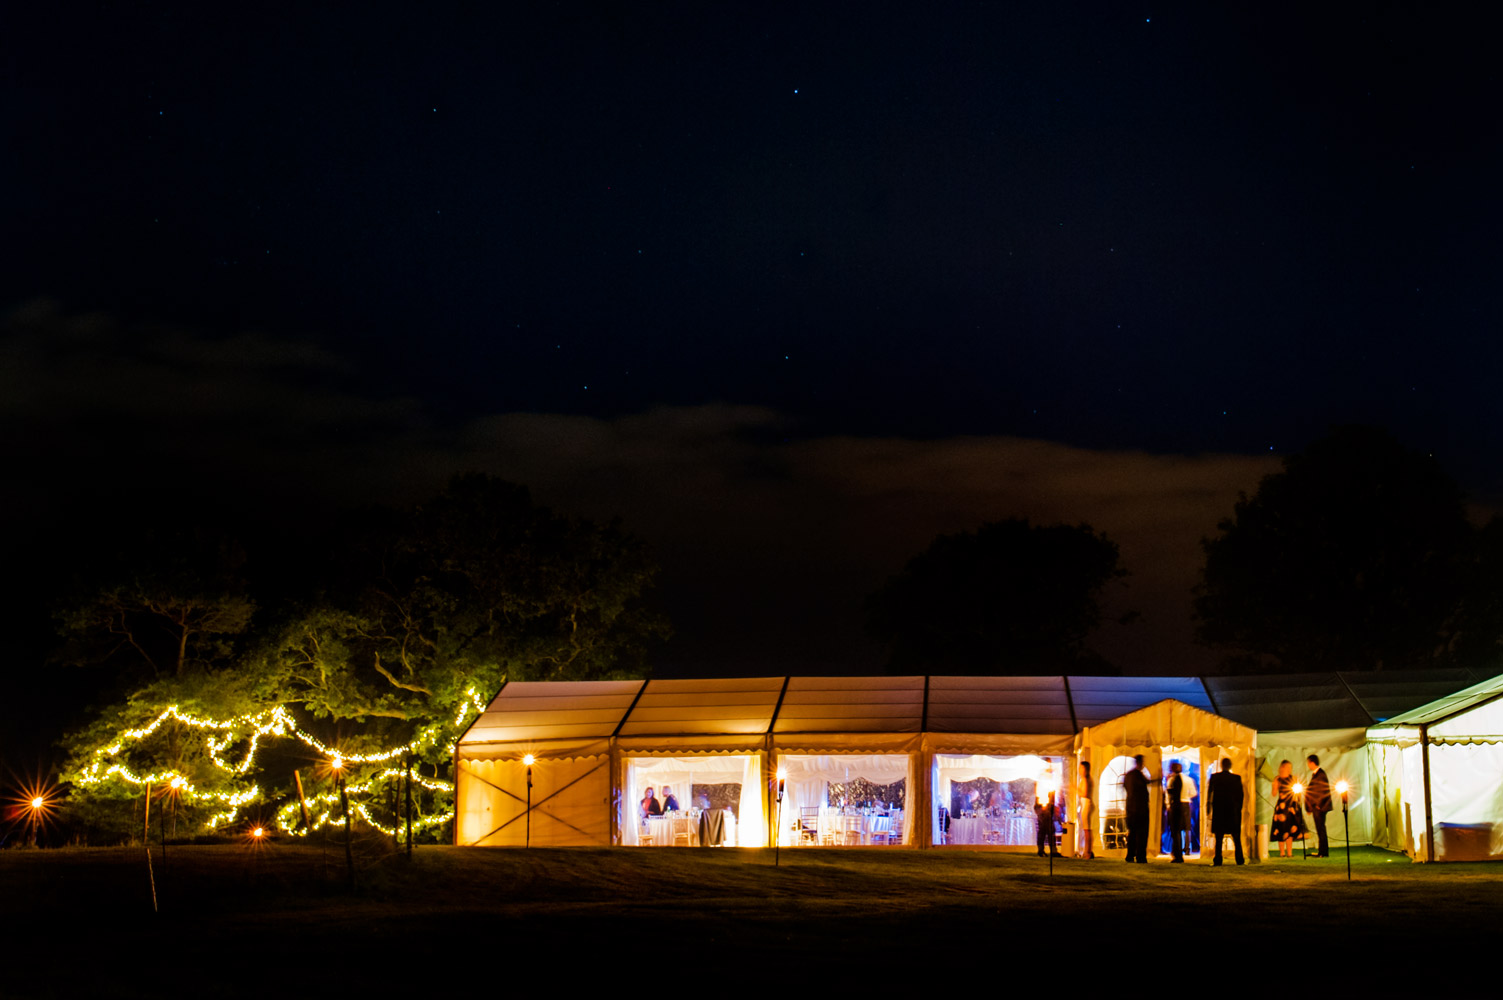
<point>1189,761</point>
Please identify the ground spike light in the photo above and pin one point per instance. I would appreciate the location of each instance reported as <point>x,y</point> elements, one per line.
<point>529,760</point>
<point>1298,789</point>
<point>337,766</point>
<point>1045,790</point>
<point>1344,789</point>
<point>777,824</point>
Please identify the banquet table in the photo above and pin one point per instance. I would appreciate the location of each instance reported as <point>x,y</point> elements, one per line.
<point>850,828</point>
<point>666,830</point>
<point>1015,829</point>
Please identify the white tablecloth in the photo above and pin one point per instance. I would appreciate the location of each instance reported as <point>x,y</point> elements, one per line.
<point>664,830</point>
<point>1015,830</point>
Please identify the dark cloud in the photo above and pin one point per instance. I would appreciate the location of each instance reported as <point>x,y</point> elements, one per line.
<point>769,538</point>
<point>776,542</point>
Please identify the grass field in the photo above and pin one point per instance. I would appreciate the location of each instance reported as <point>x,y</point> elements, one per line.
<point>242,922</point>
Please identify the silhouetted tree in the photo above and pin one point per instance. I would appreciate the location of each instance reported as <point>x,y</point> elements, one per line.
<point>1355,557</point>
<point>1008,598</point>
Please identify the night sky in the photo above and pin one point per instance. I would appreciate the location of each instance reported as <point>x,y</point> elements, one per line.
<point>789,289</point>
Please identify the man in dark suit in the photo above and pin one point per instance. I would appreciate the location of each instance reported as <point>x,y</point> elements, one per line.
<point>1135,783</point>
<point>1179,811</point>
<point>1318,803</point>
<point>1224,798</point>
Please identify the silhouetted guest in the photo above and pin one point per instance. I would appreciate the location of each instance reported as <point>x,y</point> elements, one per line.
<point>1318,803</point>
<point>1135,785</point>
<point>1179,792</point>
<point>1224,799</point>
<point>1046,813</point>
<point>650,805</point>
<point>670,804</point>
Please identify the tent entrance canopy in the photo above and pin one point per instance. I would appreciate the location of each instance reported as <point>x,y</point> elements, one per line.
<point>728,783</point>
<point>988,799</point>
<point>1161,732</point>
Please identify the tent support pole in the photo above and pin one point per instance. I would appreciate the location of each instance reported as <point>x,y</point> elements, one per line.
<point>769,783</point>
<point>1429,816</point>
<point>924,785</point>
<point>614,754</point>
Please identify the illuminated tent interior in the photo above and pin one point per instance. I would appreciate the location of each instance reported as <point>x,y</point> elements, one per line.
<point>878,761</point>
<point>1437,775</point>
<point>847,748</point>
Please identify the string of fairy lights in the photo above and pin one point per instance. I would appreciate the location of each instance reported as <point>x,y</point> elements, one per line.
<point>104,765</point>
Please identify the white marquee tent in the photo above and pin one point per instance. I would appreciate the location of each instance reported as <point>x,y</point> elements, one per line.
<point>598,745</point>
<point>1437,773</point>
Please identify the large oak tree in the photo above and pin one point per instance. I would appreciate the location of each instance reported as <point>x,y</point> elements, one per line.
<point>1356,557</point>
<point>1007,598</point>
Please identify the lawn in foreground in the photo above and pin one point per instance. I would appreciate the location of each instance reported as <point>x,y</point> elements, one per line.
<point>237,921</point>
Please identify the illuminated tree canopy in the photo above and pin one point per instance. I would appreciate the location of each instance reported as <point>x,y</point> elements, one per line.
<point>419,616</point>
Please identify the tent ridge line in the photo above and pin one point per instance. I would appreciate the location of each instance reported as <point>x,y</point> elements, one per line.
<point>1070,702</point>
<point>629,709</point>
<point>777,709</point>
<point>1340,677</point>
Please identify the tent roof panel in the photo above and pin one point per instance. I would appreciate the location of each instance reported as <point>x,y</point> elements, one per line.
<point>537,710</point>
<point>528,710</point>
<point>739,705</point>
<point>1389,693</point>
<point>851,705</point>
<point>856,684</point>
<point>1098,699</point>
<point>1451,705</point>
<point>1288,701</point>
<point>1025,705</point>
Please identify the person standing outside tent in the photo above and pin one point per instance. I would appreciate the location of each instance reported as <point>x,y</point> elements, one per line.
<point>1135,787</point>
<point>1047,814</point>
<point>1179,810</point>
<point>1318,803</point>
<point>1085,809</point>
<point>1224,799</point>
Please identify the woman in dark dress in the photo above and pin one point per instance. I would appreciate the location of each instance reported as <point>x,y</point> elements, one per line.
<point>1288,823</point>
<point>650,805</point>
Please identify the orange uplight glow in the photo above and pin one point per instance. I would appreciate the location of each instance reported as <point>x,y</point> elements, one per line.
<point>336,764</point>
<point>529,760</point>
<point>1342,788</point>
<point>38,803</point>
<point>1298,788</point>
<point>258,832</point>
